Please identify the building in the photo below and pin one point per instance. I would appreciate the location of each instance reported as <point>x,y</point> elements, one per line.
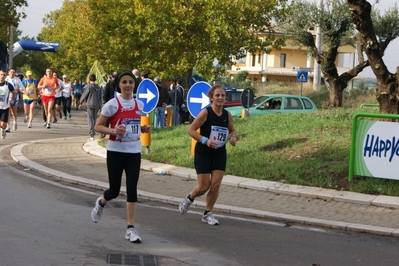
<point>278,65</point>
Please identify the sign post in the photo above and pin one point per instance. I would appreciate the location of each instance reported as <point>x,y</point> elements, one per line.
<point>302,75</point>
<point>247,98</point>
<point>148,93</point>
<point>197,99</point>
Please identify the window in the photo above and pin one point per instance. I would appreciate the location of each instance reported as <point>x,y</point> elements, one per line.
<point>307,103</point>
<point>282,60</point>
<point>293,103</point>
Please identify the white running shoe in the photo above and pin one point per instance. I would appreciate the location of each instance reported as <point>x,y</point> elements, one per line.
<point>45,124</point>
<point>183,207</point>
<point>3,133</point>
<point>15,126</point>
<point>26,119</point>
<point>210,219</point>
<point>48,125</point>
<point>132,235</point>
<point>29,125</point>
<point>97,211</point>
<point>8,128</point>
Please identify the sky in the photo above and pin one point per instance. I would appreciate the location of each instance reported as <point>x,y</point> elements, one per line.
<point>36,10</point>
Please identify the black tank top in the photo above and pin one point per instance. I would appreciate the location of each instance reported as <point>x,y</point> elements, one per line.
<point>213,120</point>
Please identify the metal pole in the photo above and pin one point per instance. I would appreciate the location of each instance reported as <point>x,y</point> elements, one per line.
<point>11,47</point>
<point>317,68</point>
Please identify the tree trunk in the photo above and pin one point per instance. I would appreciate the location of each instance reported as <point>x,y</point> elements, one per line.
<point>387,92</point>
<point>336,90</point>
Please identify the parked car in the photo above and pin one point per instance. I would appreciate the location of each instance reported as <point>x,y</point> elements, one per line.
<point>233,98</point>
<point>276,103</point>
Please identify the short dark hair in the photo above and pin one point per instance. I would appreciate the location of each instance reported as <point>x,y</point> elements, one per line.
<point>145,74</point>
<point>92,77</point>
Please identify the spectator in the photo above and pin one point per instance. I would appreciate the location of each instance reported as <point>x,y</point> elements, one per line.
<point>176,99</point>
<point>92,96</point>
<point>163,101</point>
<point>137,79</point>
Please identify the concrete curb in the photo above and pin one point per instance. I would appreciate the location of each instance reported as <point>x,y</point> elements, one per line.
<point>94,149</point>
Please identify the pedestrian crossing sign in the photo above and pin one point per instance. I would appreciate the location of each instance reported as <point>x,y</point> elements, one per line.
<point>302,76</point>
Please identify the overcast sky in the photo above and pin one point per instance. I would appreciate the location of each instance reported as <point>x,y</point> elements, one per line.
<point>33,24</point>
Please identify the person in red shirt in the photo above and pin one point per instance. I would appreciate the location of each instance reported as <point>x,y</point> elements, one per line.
<point>48,84</point>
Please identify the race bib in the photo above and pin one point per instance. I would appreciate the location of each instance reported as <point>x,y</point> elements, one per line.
<point>219,134</point>
<point>31,93</point>
<point>2,98</point>
<point>48,90</point>
<point>133,130</point>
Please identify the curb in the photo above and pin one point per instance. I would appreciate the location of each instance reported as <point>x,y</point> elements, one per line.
<point>94,149</point>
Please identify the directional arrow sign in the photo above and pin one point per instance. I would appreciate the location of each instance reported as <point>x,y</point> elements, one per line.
<point>197,97</point>
<point>148,93</point>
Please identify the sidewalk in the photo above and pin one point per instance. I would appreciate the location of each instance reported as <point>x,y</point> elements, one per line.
<point>75,160</point>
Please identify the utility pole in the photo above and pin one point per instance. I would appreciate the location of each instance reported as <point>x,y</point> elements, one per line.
<point>317,67</point>
<point>11,47</point>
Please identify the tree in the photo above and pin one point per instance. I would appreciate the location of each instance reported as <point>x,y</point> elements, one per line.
<point>373,45</point>
<point>335,22</point>
<point>71,27</point>
<point>10,13</point>
<point>169,38</point>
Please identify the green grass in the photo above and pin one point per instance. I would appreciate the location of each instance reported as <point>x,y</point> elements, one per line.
<point>303,149</point>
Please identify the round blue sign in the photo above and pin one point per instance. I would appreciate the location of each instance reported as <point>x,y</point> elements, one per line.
<point>148,93</point>
<point>197,97</point>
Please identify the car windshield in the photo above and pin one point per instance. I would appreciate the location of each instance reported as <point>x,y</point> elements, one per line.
<point>259,100</point>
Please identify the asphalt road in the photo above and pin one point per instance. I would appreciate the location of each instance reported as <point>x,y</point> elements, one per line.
<point>45,222</point>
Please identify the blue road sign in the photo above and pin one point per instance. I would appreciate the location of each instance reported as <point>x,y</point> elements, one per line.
<point>148,93</point>
<point>197,97</point>
<point>302,76</point>
<point>194,79</point>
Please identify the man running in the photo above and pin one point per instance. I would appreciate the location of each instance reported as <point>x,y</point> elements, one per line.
<point>30,97</point>
<point>17,84</point>
<point>7,96</point>
<point>48,84</point>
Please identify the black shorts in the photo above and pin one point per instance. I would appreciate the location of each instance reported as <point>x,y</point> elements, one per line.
<point>4,115</point>
<point>207,161</point>
<point>58,101</point>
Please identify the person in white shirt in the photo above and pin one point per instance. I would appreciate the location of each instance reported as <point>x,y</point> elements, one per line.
<point>67,97</point>
<point>18,87</point>
<point>7,96</point>
<point>58,99</point>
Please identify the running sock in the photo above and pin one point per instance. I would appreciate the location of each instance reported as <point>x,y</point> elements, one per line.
<point>189,197</point>
<point>206,212</point>
<point>130,226</point>
<point>100,203</point>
